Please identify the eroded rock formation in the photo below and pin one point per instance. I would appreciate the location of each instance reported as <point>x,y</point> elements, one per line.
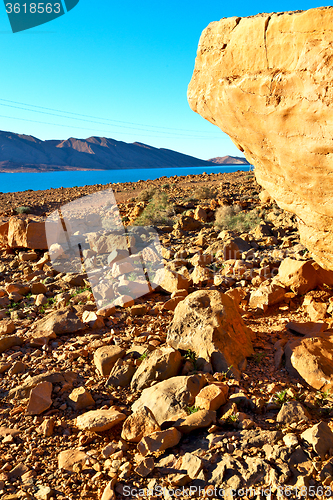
<point>266,81</point>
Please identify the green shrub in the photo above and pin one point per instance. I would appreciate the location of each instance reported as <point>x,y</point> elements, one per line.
<point>146,194</point>
<point>23,210</point>
<point>234,219</point>
<point>158,211</point>
<point>204,193</point>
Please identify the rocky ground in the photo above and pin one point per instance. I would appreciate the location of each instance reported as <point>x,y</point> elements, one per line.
<point>184,392</point>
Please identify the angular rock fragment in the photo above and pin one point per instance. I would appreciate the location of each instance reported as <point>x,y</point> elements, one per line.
<point>99,420</point>
<point>292,411</point>
<point>141,423</point>
<point>40,398</point>
<point>208,323</point>
<point>168,400</point>
<point>320,437</point>
<point>159,441</point>
<point>212,396</point>
<point>105,357</point>
<point>80,398</point>
<point>160,364</point>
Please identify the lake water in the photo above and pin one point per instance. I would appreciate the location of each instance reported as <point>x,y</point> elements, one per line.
<point>10,183</point>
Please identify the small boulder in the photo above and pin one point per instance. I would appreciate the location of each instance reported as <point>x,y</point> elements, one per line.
<point>99,420</point>
<point>141,423</point>
<point>266,296</point>
<point>160,364</point>
<point>105,357</point>
<point>320,437</point>
<point>40,398</point>
<point>208,322</point>
<point>292,411</point>
<point>197,420</point>
<point>159,441</point>
<point>168,400</point>
<point>80,398</point>
<point>300,276</point>
<point>212,396</point>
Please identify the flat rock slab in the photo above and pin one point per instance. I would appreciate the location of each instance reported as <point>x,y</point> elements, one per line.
<point>23,390</point>
<point>169,399</point>
<point>40,398</point>
<point>9,341</point>
<point>99,420</point>
<point>68,458</point>
<point>59,322</point>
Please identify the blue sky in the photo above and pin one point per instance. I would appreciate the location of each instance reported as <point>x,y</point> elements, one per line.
<point>128,61</point>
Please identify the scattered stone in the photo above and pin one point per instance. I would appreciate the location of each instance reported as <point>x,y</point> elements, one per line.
<point>61,322</point>
<point>40,398</point>
<point>159,441</point>
<point>7,327</point>
<point>212,397</point>
<point>68,458</point>
<point>299,276</point>
<point>311,358</point>
<point>99,420</point>
<point>160,364</point>
<point>80,398</point>
<point>121,373</point>
<point>292,411</point>
<point>169,399</point>
<point>145,467</point>
<point>320,437</point>
<point>266,296</point>
<point>105,358</point>
<point>197,420</point>
<point>7,342</point>
<point>208,322</point>
<point>141,423</point>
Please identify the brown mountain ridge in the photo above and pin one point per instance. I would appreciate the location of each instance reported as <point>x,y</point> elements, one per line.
<point>25,153</point>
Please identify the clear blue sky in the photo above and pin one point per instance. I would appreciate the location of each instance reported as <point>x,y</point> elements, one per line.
<point>125,61</point>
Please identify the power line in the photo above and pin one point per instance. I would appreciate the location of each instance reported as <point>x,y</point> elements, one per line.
<point>154,127</point>
<point>99,130</point>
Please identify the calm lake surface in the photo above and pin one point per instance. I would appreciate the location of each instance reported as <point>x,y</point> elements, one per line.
<point>10,183</point>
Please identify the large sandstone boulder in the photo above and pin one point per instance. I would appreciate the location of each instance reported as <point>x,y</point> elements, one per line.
<point>265,80</point>
<point>312,359</point>
<point>25,233</point>
<point>208,323</point>
<point>169,400</point>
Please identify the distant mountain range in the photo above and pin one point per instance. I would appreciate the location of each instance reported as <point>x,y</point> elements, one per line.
<point>229,160</point>
<point>25,153</point>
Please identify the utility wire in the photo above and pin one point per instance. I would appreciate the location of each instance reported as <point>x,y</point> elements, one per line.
<point>154,127</point>
<point>99,130</point>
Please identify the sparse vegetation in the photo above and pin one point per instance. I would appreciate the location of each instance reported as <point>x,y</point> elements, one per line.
<point>233,218</point>
<point>190,355</point>
<point>280,397</point>
<point>23,210</point>
<point>258,357</point>
<point>192,409</point>
<point>225,374</point>
<point>158,211</point>
<point>204,193</point>
<point>146,194</point>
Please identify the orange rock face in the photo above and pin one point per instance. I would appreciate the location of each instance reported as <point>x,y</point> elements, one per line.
<point>266,81</point>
